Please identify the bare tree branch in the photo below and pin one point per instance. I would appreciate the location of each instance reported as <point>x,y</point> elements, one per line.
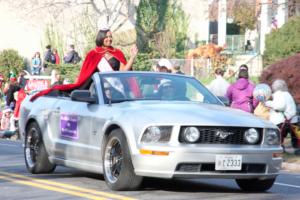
<point>117,13</point>
<point>95,7</point>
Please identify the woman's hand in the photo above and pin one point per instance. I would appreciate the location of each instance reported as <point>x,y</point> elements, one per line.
<point>134,51</point>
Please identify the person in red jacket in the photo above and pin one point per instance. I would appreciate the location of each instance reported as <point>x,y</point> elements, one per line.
<point>102,58</point>
<point>57,58</point>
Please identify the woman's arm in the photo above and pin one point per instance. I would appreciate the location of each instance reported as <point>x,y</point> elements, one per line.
<point>278,103</point>
<point>133,51</point>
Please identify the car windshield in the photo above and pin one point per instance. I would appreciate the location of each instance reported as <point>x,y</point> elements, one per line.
<point>119,87</point>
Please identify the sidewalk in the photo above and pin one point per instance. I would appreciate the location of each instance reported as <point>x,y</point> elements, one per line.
<point>291,162</point>
<point>291,167</point>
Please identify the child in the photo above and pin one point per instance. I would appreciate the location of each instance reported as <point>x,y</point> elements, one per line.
<point>7,123</point>
<point>262,92</point>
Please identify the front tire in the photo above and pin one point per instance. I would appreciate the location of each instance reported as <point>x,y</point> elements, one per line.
<point>36,157</point>
<point>255,185</point>
<point>117,166</point>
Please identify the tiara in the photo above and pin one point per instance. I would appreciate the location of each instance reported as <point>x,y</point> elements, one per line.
<point>105,28</point>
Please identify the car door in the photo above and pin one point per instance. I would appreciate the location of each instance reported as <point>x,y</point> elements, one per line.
<point>76,139</point>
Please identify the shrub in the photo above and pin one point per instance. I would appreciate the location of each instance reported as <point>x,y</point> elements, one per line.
<point>142,62</point>
<point>161,27</point>
<point>67,71</point>
<point>11,62</point>
<point>283,42</point>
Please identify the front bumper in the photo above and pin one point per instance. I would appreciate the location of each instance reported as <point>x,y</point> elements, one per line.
<point>195,162</point>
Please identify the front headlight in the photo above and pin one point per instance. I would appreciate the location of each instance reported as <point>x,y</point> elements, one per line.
<point>155,134</point>
<point>251,136</point>
<point>272,137</point>
<point>191,134</point>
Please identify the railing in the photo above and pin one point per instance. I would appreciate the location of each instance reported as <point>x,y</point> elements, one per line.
<point>236,44</point>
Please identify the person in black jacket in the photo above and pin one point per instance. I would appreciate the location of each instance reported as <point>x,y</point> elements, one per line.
<point>72,56</point>
<point>49,57</point>
<point>22,80</point>
<point>9,91</point>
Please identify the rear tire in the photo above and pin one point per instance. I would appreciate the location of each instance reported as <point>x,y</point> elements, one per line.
<point>36,157</point>
<point>255,185</point>
<point>117,166</point>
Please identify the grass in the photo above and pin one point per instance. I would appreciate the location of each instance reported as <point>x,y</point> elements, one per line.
<point>291,158</point>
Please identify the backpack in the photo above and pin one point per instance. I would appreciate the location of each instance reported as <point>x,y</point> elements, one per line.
<point>76,58</point>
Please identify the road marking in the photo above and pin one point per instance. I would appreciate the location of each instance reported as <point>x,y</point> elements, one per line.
<point>56,189</point>
<point>289,185</point>
<point>62,187</point>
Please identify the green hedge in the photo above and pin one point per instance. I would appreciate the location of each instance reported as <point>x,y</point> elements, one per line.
<point>283,42</point>
<point>11,62</point>
<point>67,71</point>
<point>143,60</point>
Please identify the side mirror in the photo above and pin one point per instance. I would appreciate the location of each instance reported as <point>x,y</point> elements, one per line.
<point>83,96</point>
<point>224,100</point>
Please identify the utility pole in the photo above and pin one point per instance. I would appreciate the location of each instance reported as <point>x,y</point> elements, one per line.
<point>264,25</point>
<point>282,12</point>
<point>222,20</point>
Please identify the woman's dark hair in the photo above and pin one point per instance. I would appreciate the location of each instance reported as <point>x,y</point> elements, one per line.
<point>243,67</point>
<point>101,36</point>
<point>243,71</point>
<point>219,71</point>
<point>243,74</point>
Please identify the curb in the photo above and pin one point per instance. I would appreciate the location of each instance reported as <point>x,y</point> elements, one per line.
<point>292,167</point>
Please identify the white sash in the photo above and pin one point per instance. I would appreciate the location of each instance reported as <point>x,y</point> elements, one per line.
<point>104,66</point>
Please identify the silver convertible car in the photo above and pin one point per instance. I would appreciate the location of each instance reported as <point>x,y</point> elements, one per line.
<point>130,125</point>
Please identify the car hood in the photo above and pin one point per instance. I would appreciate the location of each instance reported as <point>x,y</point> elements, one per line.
<point>188,113</point>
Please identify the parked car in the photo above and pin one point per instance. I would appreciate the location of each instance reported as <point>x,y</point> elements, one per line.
<point>130,125</point>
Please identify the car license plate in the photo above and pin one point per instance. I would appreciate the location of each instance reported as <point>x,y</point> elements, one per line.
<point>228,162</point>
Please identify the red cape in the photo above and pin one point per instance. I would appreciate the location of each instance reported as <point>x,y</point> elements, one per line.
<point>89,67</point>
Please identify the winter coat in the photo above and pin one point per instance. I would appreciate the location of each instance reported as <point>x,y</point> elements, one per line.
<point>240,95</point>
<point>218,86</point>
<point>282,106</point>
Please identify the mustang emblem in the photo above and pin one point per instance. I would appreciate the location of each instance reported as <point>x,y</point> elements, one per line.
<point>223,134</point>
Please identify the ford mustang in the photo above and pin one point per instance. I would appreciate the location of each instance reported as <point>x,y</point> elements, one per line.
<point>130,125</point>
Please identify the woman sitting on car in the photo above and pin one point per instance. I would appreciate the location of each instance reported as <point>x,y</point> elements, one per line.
<point>102,58</point>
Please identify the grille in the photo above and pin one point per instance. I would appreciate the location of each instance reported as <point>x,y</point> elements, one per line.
<point>209,135</point>
<point>210,167</point>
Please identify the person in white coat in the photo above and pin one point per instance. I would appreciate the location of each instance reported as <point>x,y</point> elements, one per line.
<point>282,104</point>
<point>219,85</point>
<point>282,108</point>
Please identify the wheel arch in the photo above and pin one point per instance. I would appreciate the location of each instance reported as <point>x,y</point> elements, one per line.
<point>31,120</point>
<point>108,131</point>
<point>130,181</point>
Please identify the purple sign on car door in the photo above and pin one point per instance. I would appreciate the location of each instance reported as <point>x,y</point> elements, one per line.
<point>69,126</point>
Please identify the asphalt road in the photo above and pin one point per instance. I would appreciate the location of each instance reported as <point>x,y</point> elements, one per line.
<point>64,183</point>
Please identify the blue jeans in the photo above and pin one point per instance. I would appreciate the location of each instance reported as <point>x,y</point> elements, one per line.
<point>35,70</point>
